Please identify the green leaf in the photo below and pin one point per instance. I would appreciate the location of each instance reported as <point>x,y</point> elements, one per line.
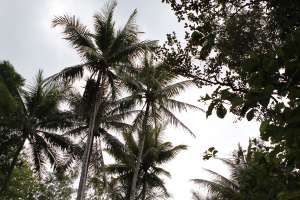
<point>211,149</point>
<point>210,109</point>
<point>250,114</point>
<point>263,128</point>
<point>221,111</point>
<point>196,38</point>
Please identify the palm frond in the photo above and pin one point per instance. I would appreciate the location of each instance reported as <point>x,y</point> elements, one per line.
<point>121,115</point>
<point>118,126</point>
<point>197,196</point>
<point>130,142</point>
<point>132,51</point>
<point>176,88</point>
<point>159,170</point>
<point>169,154</point>
<point>69,74</point>
<point>58,120</point>
<point>113,145</point>
<point>104,27</point>
<point>129,102</point>
<point>115,86</point>
<point>223,180</point>
<point>181,106</point>
<point>57,140</point>
<point>119,169</point>
<point>76,131</point>
<point>49,151</point>
<point>77,34</point>
<point>127,35</point>
<point>138,121</point>
<point>174,120</point>
<point>213,188</point>
<point>38,159</point>
<point>156,182</point>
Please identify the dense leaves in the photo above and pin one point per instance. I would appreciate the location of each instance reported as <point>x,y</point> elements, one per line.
<point>249,52</point>
<point>36,121</point>
<point>26,185</point>
<point>252,171</point>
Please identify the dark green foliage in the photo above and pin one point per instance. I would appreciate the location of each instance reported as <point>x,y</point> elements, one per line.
<point>254,174</point>
<point>36,120</point>
<point>263,169</point>
<point>23,184</point>
<point>10,84</point>
<point>211,152</point>
<point>249,50</point>
<point>58,186</point>
<point>221,111</point>
<point>250,114</point>
<point>26,185</point>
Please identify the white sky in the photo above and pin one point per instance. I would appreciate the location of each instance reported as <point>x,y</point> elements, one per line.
<point>29,42</point>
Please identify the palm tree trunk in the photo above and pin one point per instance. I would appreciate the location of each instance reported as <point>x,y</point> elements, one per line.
<point>12,166</point>
<point>105,190</point>
<point>143,197</point>
<point>139,161</point>
<point>88,148</point>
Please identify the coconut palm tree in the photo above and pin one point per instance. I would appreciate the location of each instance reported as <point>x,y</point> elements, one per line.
<point>37,122</point>
<point>252,173</point>
<point>222,187</point>
<point>103,52</point>
<point>155,153</point>
<point>154,89</point>
<point>110,117</point>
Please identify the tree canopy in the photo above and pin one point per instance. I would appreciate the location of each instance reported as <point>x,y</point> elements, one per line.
<point>249,52</point>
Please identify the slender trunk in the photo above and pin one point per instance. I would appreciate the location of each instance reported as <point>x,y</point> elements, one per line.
<point>144,190</point>
<point>12,166</point>
<point>88,148</point>
<point>102,170</point>
<point>139,161</point>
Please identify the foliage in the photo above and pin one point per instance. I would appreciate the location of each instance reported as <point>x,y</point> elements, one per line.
<point>10,83</point>
<point>26,185</point>
<point>58,185</point>
<point>104,52</point>
<point>154,89</point>
<point>36,121</point>
<point>110,118</point>
<point>211,152</point>
<point>152,86</point>
<point>249,52</point>
<point>251,174</point>
<point>42,118</point>
<point>156,152</point>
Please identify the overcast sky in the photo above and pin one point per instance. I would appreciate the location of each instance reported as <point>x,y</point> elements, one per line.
<point>29,42</point>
